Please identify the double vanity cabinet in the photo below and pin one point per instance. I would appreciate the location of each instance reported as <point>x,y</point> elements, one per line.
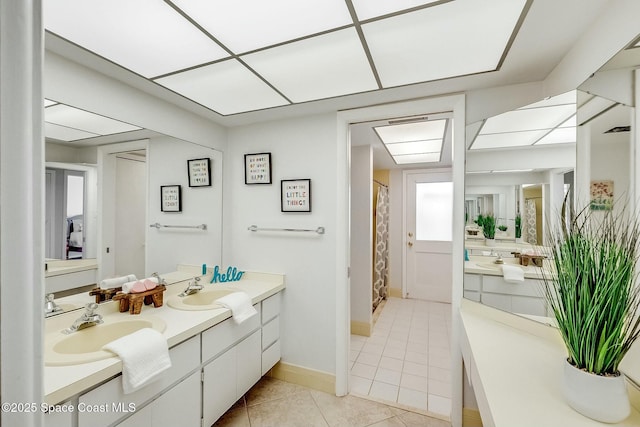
<point>214,363</point>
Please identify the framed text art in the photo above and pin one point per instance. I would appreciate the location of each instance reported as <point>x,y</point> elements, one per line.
<point>295,195</point>
<point>170,198</point>
<point>199,172</point>
<point>257,168</point>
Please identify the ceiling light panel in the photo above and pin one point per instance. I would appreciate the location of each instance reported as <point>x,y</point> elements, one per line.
<point>83,120</point>
<point>528,119</point>
<point>417,158</point>
<point>570,123</point>
<point>146,36</point>
<point>559,136</point>
<point>507,140</point>
<point>325,66</point>
<point>452,39</point>
<point>401,148</point>
<point>48,103</point>
<point>565,98</point>
<point>226,87</point>
<point>433,129</point>
<point>594,107</point>
<point>63,133</point>
<point>245,26</point>
<point>366,9</point>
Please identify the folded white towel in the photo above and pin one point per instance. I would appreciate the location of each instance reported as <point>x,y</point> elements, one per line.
<point>144,354</point>
<point>240,305</point>
<point>116,282</point>
<point>128,287</point>
<point>512,273</point>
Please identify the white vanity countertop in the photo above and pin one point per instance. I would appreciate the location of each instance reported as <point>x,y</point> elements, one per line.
<point>58,267</point>
<point>479,264</point>
<point>63,382</point>
<point>516,370</point>
<point>502,246</point>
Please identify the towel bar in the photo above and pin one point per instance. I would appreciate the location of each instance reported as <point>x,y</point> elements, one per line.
<point>319,230</point>
<point>158,226</point>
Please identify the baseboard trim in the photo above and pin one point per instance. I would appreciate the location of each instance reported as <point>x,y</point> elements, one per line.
<point>395,292</point>
<point>471,418</point>
<point>361,328</point>
<point>307,377</point>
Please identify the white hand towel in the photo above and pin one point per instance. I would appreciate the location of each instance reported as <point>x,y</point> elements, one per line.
<point>144,354</point>
<point>512,274</point>
<point>240,305</point>
<point>116,282</point>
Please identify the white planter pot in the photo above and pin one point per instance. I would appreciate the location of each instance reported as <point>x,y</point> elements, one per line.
<point>490,242</point>
<point>600,398</point>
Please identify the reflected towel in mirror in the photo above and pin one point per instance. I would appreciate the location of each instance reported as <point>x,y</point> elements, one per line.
<point>512,274</point>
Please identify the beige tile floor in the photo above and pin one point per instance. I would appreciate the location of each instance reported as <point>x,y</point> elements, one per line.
<point>406,360</point>
<point>275,403</point>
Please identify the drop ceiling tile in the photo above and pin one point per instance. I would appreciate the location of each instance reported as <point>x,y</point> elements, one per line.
<point>63,133</point>
<point>528,119</point>
<point>457,38</point>
<point>145,36</point>
<point>245,26</point>
<point>227,87</point>
<point>571,122</point>
<point>320,67</point>
<point>366,9</point>
<point>559,136</point>
<point>432,129</point>
<point>48,103</point>
<point>564,98</point>
<point>83,120</point>
<point>417,158</point>
<point>507,140</point>
<point>415,147</point>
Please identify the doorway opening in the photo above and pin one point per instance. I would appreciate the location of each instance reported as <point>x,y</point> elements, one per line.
<point>401,262</point>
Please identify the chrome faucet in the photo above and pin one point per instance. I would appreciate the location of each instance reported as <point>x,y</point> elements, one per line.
<point>161,281</point>
<point>193,287</point>
<point>88,318</point>
<point>50,307</point>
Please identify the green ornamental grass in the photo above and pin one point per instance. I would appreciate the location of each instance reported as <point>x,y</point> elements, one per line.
<point>593,292</point>
<point>489,226</point>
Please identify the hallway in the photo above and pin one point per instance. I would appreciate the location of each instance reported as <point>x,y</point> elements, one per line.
<point>407,358</point>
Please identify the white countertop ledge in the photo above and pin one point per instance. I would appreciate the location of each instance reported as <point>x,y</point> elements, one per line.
<point>516,370</point>
<point>64,382</point>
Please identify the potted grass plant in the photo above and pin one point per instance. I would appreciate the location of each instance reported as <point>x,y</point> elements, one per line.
<point>593,295</point>
<point>489,229</point>
<point>518,228</point>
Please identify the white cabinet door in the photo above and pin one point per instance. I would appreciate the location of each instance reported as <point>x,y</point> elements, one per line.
<point>180,406</point>
<point>219,387</point>
<point>249,356</point>
<point>142,418</point>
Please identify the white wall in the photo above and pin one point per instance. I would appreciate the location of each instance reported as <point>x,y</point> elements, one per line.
<point>165,248</point>
<point>361,233</point>
<point>610,161</point>
<point>300,148</point>
<point>130,216</point>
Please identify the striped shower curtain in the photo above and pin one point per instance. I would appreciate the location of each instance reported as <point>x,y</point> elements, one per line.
<point>381,260</point>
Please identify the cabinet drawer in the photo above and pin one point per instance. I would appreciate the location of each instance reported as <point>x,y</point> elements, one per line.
<point>185,357</point>
<point>270,357</point>
<point>223,335</point>
<point>496,284</point>
<point>270,332</point>
<point>472,282</point>
<point>270,307</point>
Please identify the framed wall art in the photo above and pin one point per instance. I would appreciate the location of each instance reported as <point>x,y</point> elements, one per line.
<point>602,195</point>
<point>295,195</point>
<point>199,172</point>
<point>257,168</point>
<point>170,198</point>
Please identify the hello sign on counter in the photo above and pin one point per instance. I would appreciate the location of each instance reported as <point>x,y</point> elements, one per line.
<point>232,275</point>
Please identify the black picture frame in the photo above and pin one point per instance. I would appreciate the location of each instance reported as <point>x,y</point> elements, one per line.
<point>199,171</point>
<point>257,169</point>
<point>171,198</point>
<point>295,195</point>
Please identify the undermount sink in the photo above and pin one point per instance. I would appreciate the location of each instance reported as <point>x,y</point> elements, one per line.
<point>203,300</point>
<point>86,344</point>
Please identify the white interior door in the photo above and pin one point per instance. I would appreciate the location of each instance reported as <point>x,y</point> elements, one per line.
<point>428,236</point>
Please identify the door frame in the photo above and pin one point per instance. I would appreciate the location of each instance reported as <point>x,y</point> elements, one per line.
<point>405,198</point>
<point>455,103</point>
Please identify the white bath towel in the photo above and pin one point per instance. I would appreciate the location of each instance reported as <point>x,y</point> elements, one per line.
<point>116,282</point>
<point>512,274</point>
<point>144,354</point>
<point>240,305</point>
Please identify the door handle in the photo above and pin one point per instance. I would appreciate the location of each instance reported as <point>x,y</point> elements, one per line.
<point>410,244</point>
<point>410,234</point>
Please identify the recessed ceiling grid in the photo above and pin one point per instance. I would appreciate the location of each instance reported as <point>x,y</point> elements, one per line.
<point>418,142</point>
<point>550,121</point>
<point>285,52</point>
